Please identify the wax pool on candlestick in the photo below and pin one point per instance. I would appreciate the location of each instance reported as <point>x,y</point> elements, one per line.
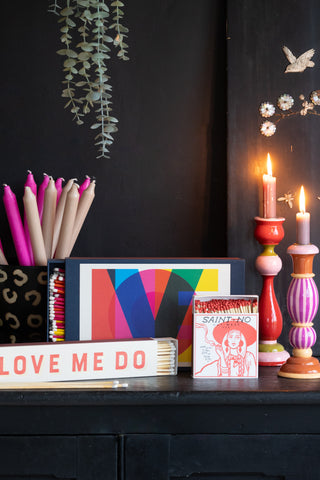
<point>302,221</point>
<point>269,192</point>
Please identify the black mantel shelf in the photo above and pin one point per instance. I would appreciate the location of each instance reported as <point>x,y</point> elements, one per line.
<point>176,404</point>
<point>182,389</point>
<point>165,428</point>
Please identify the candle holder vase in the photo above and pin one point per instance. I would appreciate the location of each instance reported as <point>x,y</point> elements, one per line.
<point>302,303</point>
<point>269,233</point>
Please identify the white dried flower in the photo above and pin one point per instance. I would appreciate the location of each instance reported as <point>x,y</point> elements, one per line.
<point>285,102</point>
<point>266,109</point>
<point>287,198</point>
<point>315,97</point>
<point>268,129</point>
<point>306,106</point>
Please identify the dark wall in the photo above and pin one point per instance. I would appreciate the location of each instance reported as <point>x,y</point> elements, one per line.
<point>256,65</point>
<point>163,191</point>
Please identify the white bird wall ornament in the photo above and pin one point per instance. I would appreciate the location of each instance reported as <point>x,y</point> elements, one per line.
<point>299,64</point>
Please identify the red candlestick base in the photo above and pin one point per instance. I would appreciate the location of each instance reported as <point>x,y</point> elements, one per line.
<point>269,233</point>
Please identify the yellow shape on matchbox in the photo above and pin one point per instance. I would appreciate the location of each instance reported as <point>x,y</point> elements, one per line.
<point>209,281</point>
<point>185,357</point>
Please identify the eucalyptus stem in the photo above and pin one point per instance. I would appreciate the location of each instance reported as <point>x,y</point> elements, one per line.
<point>90,55</point>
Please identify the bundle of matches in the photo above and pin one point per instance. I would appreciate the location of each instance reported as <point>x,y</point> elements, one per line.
<point>166,357</point>
<point>90,360</point>
<point>226,305</point>
<point>56,305</point>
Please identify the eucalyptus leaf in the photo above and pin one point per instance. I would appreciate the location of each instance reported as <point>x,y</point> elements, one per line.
<point>83,3</point>
<point>110,128</point>
<point>70,62</point>
<point>87,14</point>
<point>93,96</point>
<point>112,119</point>
<point>71,53</point>
<point>66,12</point>
<point>85,46</point>
<point>107,39</point>
<point>70,22</point>
<point>95,126</point>
<point>83,56</point>
<point>98,56</point>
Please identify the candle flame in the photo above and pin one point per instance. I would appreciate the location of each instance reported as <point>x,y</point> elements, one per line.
<point>269,165</point>
<point>302,201</point>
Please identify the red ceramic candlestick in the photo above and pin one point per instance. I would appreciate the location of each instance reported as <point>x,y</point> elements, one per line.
<point>269,233</point>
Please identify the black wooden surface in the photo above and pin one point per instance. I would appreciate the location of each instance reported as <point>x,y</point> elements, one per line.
<point>165,428</point>
<point>168,405</point>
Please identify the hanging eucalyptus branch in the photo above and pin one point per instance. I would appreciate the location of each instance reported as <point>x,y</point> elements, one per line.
<point>84,34</point>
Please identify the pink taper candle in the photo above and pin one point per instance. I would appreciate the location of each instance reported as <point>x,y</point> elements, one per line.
<point>269,192</point>
<point>59,187</point>
<point>16,226</point>
<point>30,182</point>
<point>302,221</point>
<point>40,198</point>
<point>33,219</point>
<point>84,185</point>
<point>67,224</point>
<point>82,211</point>
<point>48,217</point>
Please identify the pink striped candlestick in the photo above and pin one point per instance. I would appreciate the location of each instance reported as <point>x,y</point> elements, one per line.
<point>302,303</point>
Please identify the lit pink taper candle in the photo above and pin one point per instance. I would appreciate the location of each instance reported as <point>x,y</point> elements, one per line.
<point>269,192</point>
<point>302,221</point>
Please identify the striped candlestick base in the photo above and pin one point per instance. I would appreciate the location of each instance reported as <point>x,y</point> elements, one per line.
<point>302,303</point>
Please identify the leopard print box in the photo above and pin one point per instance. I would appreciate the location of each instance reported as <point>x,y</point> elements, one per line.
<point>23,304</point>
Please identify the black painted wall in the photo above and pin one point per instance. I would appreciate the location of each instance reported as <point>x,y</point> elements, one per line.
<point>163,192</point>
<point>175,184</point>
<point>256,65</point>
